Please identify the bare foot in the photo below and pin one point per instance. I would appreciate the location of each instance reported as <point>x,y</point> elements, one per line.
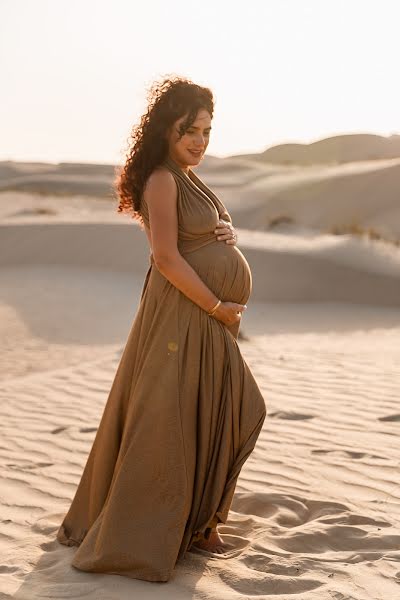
<point>214,543</point>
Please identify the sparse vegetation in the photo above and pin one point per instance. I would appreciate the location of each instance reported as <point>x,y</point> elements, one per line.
<point>359,230</point>
<point>37,210</point>
<point>43,210</point>
<point>280,220</point>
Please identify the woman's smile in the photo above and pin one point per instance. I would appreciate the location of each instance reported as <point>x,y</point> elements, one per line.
<point>196,152</point>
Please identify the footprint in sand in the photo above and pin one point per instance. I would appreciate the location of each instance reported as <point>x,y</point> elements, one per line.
<point>274,565</point>
<point>29,466</point>
<point>280,585</point>
<point>7,569</point>
<point>390,418</point>
<point>349,453</point>
<point>48,546</point>
<point>290,415</point>
<point>87,429</point>
<point>59,429</point>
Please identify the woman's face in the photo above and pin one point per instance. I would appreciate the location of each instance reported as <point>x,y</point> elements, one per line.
<point>190,148</point>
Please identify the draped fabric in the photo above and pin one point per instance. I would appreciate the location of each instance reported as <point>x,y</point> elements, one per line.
<point>182,416</point>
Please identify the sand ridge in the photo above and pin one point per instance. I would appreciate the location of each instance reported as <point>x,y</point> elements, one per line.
<point>316,507</point>
<point>316,513</point>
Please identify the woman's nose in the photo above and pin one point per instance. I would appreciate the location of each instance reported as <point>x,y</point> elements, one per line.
<point>200,140</point>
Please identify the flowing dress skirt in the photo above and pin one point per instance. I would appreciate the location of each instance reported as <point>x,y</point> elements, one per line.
<point>182,416</point>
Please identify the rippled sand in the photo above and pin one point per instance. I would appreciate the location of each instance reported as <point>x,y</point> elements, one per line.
<point>316,514</point>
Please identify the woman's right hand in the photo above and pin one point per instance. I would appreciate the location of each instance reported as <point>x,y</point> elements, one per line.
<point>229,312</point>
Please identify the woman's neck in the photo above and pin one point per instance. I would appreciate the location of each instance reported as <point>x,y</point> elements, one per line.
<point>184,169</point>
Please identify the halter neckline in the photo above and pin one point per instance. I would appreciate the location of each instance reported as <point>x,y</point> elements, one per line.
<point>190,180</point>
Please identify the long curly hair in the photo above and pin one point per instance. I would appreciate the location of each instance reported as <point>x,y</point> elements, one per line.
<point>168,100</point>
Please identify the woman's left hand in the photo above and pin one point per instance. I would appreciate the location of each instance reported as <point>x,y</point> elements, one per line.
<point>226,232</point>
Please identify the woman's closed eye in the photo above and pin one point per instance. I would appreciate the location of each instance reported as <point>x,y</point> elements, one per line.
<point>191,132</point>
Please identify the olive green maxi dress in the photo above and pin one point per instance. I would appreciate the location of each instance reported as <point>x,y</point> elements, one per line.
<point>183,414</point>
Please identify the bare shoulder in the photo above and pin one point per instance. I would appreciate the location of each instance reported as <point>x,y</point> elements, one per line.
<point>161,196</point>
<point>160,181</point>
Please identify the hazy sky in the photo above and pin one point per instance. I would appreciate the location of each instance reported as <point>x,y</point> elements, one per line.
<point>74,73</point>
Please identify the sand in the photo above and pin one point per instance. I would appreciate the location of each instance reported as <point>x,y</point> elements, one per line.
<point>316,513</point>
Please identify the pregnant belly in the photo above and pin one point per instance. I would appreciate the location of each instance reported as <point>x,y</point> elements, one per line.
<point>224,269</point>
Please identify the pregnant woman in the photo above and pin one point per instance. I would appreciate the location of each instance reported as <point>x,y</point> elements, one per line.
<point>184,411</point>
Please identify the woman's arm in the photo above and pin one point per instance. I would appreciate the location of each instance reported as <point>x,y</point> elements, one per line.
<point>161,194</point>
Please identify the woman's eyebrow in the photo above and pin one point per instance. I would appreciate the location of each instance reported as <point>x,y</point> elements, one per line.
<point>194,127</point>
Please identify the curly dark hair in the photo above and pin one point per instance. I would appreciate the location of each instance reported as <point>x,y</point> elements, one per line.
<point>168,100</point>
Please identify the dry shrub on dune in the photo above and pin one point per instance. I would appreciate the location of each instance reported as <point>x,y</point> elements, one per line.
<point>280,220</point>
<point>361,231</point>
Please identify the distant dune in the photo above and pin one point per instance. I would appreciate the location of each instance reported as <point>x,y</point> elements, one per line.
<point>322,198</point>
<point>316,512</point>
<point>95,179</point>
<point>61,178</point>
<point>340,190</point>
<point>284,268</point>
<point>336,149</point>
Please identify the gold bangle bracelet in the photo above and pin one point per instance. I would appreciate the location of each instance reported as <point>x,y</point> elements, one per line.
<point>212,311</point>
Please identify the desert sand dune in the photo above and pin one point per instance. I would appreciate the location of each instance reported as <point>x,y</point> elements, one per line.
<point>335,149</point>
<point>321,197</point>
<point>316,513</point>
<point>61,178</point>
<point>284,268</point>
<point>316,510</point>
